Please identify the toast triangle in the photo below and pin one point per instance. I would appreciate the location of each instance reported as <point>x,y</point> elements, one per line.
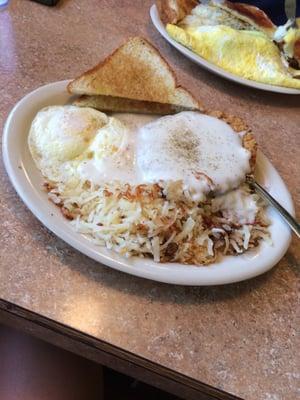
<point>135,71</point>
<point>122,104</point>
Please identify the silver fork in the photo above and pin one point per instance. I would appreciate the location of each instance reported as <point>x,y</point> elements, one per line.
<point>294,225</point>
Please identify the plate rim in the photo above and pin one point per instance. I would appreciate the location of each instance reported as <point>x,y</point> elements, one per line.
<point>149,270</point>
<point>156,21</point>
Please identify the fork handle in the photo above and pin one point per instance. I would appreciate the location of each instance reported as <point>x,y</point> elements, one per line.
<point>294,225</point>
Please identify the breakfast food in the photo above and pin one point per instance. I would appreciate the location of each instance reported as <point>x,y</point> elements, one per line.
<point>288,39</point>
<point>216,12</point>
<point>169,187</point>
<point>134,71</point>
<point>122,104</point>
<point>238,38</point>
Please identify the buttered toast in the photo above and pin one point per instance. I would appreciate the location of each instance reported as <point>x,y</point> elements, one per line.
<point>135,71</point>
<point>121,104</point>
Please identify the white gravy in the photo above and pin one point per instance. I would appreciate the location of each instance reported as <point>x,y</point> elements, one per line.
<point>177,147</point>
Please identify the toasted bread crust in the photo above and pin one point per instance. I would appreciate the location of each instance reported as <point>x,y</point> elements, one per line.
<point>172,11</point>
<point>251,14</point>
<point>137,71</point>
<point>121,104</point>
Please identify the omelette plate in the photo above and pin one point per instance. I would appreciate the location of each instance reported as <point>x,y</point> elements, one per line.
<point>210,66</point>
<point>27,181</point>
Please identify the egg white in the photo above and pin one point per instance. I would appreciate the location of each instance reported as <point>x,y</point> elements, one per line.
<point>60,134</point>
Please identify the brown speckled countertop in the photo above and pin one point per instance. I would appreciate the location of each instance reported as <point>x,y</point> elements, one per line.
<point>242,338</point>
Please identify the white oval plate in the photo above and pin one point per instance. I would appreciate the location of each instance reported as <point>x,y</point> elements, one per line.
<point>211,67</point>
<point>27,181</point>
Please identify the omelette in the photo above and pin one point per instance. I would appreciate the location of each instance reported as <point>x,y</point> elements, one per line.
<point>236,45</point>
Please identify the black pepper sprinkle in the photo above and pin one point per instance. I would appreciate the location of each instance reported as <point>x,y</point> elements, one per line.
<point>184,145</point>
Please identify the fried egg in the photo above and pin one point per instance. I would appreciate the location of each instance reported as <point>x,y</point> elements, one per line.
<point>203,152</point>
<point>60,134</point>
<point>247,53</point>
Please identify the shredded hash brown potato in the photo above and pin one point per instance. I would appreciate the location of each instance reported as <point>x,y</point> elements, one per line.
<point>157,220</point>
